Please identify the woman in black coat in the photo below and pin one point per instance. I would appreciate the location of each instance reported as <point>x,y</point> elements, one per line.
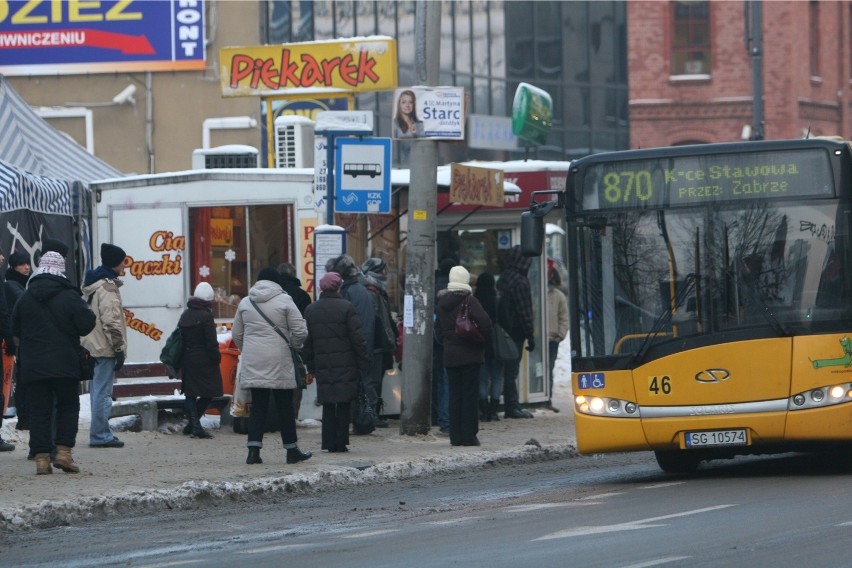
<point>336,354</point>
<point>491,374</point>
<point>462,358</point>
<point>47,323</point>
<point>202,379</point>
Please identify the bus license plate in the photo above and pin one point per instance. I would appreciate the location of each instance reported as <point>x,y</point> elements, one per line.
<point>716,438</point>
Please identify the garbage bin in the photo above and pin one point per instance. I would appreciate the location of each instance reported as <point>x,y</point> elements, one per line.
<point>230,356</point>
<point>228,365</point>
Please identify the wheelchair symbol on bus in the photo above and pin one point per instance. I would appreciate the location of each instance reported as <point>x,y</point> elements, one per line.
<point>591,381</point>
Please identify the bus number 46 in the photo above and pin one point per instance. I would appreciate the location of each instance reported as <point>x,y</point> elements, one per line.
<point>660,385</point>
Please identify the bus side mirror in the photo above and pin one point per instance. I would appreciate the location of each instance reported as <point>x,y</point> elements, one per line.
<point>532,234</point>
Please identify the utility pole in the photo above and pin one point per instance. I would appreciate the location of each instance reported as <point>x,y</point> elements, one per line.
<point>416,407</point>
<point>754,45</point>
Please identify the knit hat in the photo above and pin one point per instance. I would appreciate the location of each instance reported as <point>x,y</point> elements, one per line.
<point>53,245</point>
<point>331,282</point>
<point>51,263</point>
<point>18,258</point>
<point>459,279</point>
<point>204,291</point>
<point>112,256</point>
<point>268,273</point>
<point>343,265</point>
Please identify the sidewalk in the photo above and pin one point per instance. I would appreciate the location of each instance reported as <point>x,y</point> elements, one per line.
<point>165,469</point>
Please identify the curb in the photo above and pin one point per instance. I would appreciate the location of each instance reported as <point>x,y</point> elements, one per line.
<point>195,493</point>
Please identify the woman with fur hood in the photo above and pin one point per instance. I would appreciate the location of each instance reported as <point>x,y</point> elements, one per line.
<point>266,366</point>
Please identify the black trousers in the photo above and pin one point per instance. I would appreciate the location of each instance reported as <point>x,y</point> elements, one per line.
<point>283,399</point>
<point>42,395</point>
<point>511,370</point>
<point>335,426</point>
<point>464,404</point>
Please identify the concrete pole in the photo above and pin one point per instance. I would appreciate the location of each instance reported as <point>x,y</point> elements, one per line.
<point>416,411</point>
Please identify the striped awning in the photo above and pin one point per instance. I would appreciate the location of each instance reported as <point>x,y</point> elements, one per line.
<point>23,190</point>
<point>30,143</point>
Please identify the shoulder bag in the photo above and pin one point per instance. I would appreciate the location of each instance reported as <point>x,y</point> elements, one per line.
<point>466,328</point>
<point>502,344</point>
<point>301,370</point>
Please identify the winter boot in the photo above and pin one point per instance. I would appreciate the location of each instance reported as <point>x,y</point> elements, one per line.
<point>493,405</point>
<point>295,455</point>
<point>484,416</point>
<point>63,460</point>
<point>377,421</point>
<point>253,455</point>
<point>196,430</point>
<point>43,464</point>
<point>187,430</point>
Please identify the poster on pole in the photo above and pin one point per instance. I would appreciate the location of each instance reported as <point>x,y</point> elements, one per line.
<point>433,113</point>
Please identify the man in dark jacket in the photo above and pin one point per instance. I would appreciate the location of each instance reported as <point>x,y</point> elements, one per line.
<point>48,322</point>
<point>354,291</point>
<point>293,286</point>
<point>384,342</point>
<point>336,354</point>
<point>9,351</point>
<point>516,317</point>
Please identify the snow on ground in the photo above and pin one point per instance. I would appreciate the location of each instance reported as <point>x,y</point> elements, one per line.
<point>398,465</point>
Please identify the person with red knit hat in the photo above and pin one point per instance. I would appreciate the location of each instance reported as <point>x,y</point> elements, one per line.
<point>336,353</point>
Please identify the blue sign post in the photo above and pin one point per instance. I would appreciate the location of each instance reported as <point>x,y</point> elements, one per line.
<point>362,175</point>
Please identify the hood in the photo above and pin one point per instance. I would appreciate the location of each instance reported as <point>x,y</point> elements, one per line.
<point>515,260</point>
<point>100,273</point>
<point>43,287</point>
<point>265,290</point>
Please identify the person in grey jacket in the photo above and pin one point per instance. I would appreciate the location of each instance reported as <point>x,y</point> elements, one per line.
<point>266,366</point>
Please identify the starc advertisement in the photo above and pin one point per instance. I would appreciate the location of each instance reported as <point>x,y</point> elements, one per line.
<point>49,37</point>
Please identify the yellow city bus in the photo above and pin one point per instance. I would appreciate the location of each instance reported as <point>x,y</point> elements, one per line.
<point>710,298</point>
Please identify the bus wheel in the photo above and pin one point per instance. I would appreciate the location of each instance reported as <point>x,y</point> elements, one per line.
<point>677,461</point>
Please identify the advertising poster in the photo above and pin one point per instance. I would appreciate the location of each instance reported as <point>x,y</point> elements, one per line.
<point>435,113</point>
<point>49,38</point>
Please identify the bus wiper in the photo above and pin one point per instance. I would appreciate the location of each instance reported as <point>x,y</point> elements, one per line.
<point>664,319</point>
<point>765,310</point>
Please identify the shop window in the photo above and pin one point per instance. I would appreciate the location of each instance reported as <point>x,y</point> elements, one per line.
<point>229,246</point>
<point>690,38</point>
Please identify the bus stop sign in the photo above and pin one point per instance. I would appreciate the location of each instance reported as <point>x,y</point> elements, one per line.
<point>362,175</point>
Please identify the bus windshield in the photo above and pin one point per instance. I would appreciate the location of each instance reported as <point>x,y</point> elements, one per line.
<point>752,245</point>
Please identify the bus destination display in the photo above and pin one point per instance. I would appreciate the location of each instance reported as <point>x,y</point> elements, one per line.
<point>673,181</point>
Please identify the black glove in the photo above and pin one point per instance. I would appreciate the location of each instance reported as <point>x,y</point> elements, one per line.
<point>10,349</point>
<point>530,344</point>
<point>119,360</point>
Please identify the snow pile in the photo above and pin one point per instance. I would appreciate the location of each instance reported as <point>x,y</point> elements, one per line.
<point>190,494</point>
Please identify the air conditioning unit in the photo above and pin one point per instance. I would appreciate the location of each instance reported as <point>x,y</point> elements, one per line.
<point>294,142</point>
<point>230,156</point>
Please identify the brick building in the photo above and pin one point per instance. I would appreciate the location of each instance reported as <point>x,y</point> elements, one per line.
<point>690,75</point>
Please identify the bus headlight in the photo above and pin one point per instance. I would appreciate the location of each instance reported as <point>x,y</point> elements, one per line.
<point>821,397</point>
<point>602,406</point>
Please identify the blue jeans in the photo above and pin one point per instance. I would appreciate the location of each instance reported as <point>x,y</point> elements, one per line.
<point>491,380</point>
<point>100,398</point>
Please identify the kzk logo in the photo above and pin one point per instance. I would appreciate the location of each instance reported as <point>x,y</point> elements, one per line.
<point>712,375</point>
<point>350,198</point>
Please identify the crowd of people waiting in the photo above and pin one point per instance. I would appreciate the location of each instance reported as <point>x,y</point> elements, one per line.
<point>347,339</point>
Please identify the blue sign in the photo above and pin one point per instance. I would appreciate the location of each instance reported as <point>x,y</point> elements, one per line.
<point>47,38</point>
<point>362,175</point>
<point>591,380</point>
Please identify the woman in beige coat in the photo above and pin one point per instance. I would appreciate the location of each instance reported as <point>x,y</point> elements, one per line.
<point>266,367</point>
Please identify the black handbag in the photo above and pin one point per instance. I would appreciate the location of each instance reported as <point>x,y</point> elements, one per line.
<point>363,416</point>
<point>299,367</point>
<point>466,328</point>
<point>503,346</point>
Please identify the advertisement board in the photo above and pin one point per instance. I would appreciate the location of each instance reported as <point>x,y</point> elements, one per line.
<point>315,68</point>
<point>435,113</point>
<point>49,38</point>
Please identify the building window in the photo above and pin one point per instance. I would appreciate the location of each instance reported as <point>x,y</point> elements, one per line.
<point>813,36</point>
<point>690,38</point>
